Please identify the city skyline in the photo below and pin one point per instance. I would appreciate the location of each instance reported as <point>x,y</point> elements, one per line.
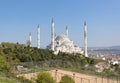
<point>19,18</point>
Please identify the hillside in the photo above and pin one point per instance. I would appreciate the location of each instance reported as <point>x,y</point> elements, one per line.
<point>15,53</point>
<point>31,59</point>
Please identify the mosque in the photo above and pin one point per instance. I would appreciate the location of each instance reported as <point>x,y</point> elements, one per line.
<point>62,43</point>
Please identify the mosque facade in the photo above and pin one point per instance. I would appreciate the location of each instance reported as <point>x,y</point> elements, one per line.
<point>63,44</point>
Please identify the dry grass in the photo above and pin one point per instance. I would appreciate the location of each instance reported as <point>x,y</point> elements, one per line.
<point>79,78</point>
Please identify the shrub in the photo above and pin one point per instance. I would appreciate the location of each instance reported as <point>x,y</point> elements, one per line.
<point>67,79</point>
<point>45,77</point>
<point>4,66</point>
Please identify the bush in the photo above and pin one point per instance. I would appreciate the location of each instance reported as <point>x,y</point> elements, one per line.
<point>4,66</point>
<point>67,79</point>
<point>45,77</point>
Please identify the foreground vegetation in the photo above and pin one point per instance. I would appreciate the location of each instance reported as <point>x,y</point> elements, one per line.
<point>2,80</point>
<point>67,79</point>
<point>12,54</point>
<point>45,77</point>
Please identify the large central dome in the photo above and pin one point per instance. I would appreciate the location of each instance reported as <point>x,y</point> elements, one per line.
<point>62,40</point>
<point>62,37</point>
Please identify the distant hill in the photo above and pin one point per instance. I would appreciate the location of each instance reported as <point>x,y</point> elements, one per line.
<point>115,47</point>
<point>104,48</point>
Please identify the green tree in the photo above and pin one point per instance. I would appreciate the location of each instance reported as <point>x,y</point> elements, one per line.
<point>67,79</point>
<point>45,77</point>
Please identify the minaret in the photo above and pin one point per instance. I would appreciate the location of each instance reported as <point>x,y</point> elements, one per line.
<point>67,31</point>
<point>38,37</point>
<point>52,35</point>
<point>85,39</point>
<point>30,39</point>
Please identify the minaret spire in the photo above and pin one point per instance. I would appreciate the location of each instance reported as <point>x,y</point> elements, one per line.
<point>85,39</point>
<point>52,35</point>
<point>66,30</point>
<point>38,36</point>
<point>30,39</point>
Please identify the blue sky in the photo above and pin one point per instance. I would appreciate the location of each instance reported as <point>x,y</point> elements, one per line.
<point>20,17</point>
